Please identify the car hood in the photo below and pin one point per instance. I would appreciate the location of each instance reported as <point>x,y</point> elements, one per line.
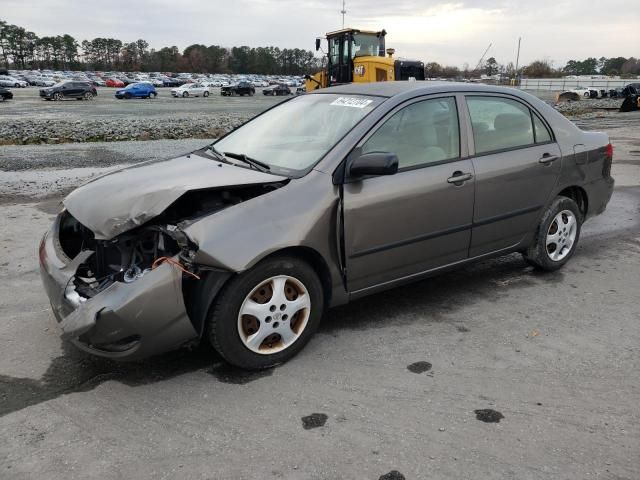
<point>124,199</point>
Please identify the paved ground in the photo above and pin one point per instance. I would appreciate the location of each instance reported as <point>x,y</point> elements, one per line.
<point>392,382</point>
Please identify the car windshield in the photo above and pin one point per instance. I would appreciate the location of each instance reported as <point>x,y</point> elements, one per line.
<point>131,85</point>
<point>292,137</point>
<point>59,84</point>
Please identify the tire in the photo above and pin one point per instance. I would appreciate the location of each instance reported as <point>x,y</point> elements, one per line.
<point>205,94</point>
<point>57,96</point>
<point>185,94</point>
<point>17,85</point>
<point>587,94</point>
<point>557,235</point>
<point>230,333</point>
<point>127,95</point>
<point>88,96</point>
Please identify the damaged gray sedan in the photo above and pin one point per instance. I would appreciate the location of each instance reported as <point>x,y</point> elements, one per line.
<point>323,199</point>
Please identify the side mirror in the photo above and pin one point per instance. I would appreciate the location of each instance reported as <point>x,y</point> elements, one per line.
<point>318,40</point>
<point>376,163</point>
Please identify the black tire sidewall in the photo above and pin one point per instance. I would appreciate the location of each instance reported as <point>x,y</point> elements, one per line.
<point>222,323</point>
<point>537,253</point>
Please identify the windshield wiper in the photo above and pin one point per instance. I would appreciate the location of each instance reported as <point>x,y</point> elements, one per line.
<point>263,167</point>
<point>216,153</point>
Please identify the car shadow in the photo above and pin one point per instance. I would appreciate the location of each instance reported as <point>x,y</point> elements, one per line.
<point>435,298</point>
<point>76,371</point>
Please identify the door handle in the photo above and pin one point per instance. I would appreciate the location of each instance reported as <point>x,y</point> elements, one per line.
<point>548,159</point>
<point>458,178</point>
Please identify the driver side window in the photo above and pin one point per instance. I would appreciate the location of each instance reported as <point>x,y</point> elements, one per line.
<point>420,134</point>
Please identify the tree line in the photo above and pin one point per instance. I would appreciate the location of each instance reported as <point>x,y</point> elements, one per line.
<point>624,67</point>
<point>22,49</point>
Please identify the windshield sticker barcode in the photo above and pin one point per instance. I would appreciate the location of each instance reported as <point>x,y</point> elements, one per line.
<point>351,102</point>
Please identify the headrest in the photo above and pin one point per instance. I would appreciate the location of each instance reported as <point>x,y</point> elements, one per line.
<point>511,121</point>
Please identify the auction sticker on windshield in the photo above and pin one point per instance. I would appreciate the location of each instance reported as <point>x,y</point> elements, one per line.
<point>351,102</point>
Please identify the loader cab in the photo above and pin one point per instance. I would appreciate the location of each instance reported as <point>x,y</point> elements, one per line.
<point>347,45</point>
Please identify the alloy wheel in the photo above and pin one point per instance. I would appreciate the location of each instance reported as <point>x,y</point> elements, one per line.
<point>274,315</point>
<point>561,235</point>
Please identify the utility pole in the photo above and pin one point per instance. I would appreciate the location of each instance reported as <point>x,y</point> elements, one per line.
<point>518,58</point>
<point>343,12</point>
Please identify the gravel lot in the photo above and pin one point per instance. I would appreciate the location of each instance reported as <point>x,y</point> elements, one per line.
<point>27,119</point>
<point>408,380</point>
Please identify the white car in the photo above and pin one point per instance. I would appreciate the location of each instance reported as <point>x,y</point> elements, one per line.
<point>7,81</point>
<point>582,91</point>
<point>191,90</point>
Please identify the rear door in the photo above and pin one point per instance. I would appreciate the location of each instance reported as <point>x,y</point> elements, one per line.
<point>401,225</point>
<point>77,89</point>
<point>517,164</point>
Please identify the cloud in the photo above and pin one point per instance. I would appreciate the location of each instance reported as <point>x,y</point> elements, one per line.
<point>447,31</point>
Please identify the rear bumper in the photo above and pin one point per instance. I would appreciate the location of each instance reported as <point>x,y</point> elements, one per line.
<point>126,321</point>
<point>599,193</point>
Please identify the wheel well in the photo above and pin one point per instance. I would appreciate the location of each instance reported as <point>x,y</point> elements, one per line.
<point>578,195</point>
<point>317,262</point>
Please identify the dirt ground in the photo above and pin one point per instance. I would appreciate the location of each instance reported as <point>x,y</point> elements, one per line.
<point>491,372</point>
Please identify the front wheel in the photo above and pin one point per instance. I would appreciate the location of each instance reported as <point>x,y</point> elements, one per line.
<point>88,96</point>
<point>185,94</point>
<point>557,235</point>
<point>57,96</point>
<point>266,315</point>
<point>205,94</point>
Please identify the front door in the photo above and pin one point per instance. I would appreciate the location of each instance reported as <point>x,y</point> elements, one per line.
<point>401,225</point>
<point>516,163</point>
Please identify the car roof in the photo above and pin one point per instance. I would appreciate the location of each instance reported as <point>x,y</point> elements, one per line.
<point>422,87</point>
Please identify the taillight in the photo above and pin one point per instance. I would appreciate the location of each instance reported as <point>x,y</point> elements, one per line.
<point>606,166</point>
<point>610,150</point>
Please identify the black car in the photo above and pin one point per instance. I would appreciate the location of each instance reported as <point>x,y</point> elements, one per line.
<point>69,89</point>
<point>241,88</point>
<point>277,90</point>
<point>171,82</point>
<point>5,94</point>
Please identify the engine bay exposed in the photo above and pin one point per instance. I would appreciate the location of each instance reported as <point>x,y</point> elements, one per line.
<point>134,253</point>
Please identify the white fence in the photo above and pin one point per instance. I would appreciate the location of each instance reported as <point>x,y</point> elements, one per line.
<point>559,84</point>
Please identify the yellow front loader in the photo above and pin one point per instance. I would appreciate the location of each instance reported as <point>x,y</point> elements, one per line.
<point>359,56</point>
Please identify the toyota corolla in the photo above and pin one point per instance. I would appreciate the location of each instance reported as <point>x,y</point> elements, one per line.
<point>322,199</point>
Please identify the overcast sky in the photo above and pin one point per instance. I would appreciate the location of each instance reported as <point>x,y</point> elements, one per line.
<point>447,32</point>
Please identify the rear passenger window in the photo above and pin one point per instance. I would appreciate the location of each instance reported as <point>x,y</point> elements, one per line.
<point>542,133</point>
<point>499,123</point>
<point>423,133</point>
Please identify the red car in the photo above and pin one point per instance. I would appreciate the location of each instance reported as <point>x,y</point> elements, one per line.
<point>114,82</point>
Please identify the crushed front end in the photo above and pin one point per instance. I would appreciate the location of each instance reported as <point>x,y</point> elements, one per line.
<point>120,298</point>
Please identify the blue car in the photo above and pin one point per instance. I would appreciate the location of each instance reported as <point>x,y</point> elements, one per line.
<point>137,90</point>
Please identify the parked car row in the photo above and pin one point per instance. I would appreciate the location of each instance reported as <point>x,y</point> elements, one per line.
<point>595,92</point>
<point>87,91</point>
<point>115,79</point>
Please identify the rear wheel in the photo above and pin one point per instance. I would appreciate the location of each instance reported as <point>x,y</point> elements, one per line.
<point>88,96</point>
<point>266,315</point>
<point>557,235</point>
<point>205,94</point>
